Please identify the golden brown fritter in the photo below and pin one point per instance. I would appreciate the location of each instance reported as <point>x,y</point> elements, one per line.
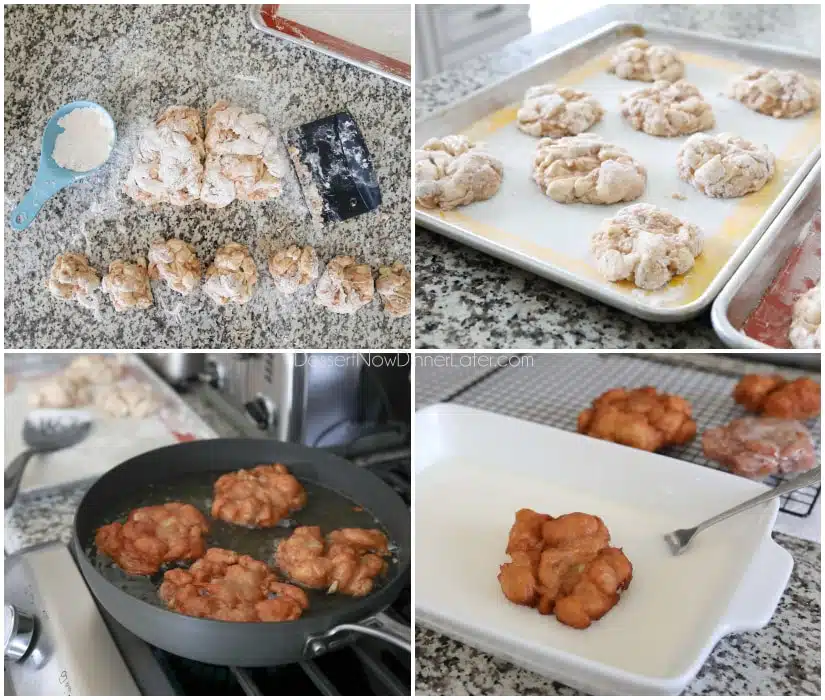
<point>576,575</point>
<point>346,563</point>
<point>258,497</point>
<point>641,418</point>
<point>153,535</point>
<point>224,585</point>
<point>774,396</point>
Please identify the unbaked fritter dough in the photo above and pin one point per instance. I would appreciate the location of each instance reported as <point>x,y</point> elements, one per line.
<point>724,165</point>
<point>646,245</point>
<point>637,59</point>
<point>778,93</point>
<point>549,110</point>
<point>667,109</point>
<point>453,171</point>
<point>585,168</point>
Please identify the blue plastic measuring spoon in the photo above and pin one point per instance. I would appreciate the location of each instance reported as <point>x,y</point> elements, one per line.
<point>51,178</point>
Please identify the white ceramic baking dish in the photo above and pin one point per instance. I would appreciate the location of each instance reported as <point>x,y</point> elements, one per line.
<point>475,469</point>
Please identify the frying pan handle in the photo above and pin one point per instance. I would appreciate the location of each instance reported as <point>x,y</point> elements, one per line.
<point>380,626</point>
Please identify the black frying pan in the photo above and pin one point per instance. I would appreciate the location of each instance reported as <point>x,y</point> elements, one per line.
<point>339,494</point>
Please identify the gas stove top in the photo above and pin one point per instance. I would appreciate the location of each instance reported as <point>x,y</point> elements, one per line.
<point>58,642</point>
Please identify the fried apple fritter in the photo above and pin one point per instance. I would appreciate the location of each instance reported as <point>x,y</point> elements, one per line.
<point>641,418</point>
<point>774,396</point>
<point>577,574</point>
<point>224,585</point>
<point>346,563</point>
<point>258,497</point>
<point>153,535</point>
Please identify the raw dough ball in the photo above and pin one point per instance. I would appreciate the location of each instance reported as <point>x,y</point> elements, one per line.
<point>777,93</point>
<point>127,399</point>
<point>636,59</point>
<point>393,286</point>
<point>557,111</point>
<point>805,333</point>
<point>724,165</point>
<point>94,369</point>
<point>294,267</point>
<point>586,169</point>
<point>127,284</point>
<point>60,392</point>
<point>168,165</point>
<point>452,172</point>
<point>231,276</point>
<point>242,159</point>
<point>176,263</point>
<point>345,286</point>
<point>71,277</point>
<point>667,109</point>
<point>645,244</point>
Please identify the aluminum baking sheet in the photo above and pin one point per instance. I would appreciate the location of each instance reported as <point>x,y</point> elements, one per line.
<point>525,227</point>
<point>754,309</point>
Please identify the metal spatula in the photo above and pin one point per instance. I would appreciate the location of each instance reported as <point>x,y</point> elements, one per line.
<point>334,168</point>
<point>43,433</point>
<point>678,540</point>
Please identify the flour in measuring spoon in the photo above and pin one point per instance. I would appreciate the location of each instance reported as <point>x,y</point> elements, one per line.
<point>86,141</point>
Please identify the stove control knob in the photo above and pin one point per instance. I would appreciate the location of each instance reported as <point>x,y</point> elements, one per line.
<point>262,412</point>
<point>18,633</point>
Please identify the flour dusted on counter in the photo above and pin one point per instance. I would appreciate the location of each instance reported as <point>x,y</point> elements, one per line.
<point>86,142</point>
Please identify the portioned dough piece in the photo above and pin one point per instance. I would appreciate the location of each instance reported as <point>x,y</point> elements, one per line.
<point>242,158</point>
<point>127,399</point>
<point>645,244</point>
<point>453,172</point>
<point>72,278</point>
<point>585,168</point>
<point>94,369</point>
<point>60,392</point>
<point>724,165</point>
<point>168,163</point>
<point>805,332</point>
<point>345,286</point>
<point>232,275</point>
<point>637,59</point>
<point>557,111</point>
<point>394,288</point>
<point>294,267</point>
<point>778,93</point>
<point>176,263</point>
<point>667,109</point>
<point>127,285</point>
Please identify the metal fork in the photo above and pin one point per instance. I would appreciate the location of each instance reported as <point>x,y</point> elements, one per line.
<point>48,434</point>
<point>678,540</point>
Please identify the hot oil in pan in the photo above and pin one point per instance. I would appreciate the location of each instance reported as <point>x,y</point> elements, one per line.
<point>326,508</point>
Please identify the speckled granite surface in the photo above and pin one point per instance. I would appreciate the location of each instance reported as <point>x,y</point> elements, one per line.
<point>784,658</point>
<point>466,299</point>
<point>135,61</point>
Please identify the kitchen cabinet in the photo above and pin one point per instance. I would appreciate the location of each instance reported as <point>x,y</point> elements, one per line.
<point>446,35</point>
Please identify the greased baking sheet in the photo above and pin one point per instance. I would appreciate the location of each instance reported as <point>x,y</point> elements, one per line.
<point>527,228</point>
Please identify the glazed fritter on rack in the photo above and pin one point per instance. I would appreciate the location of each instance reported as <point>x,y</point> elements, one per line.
<point>774,396</point>
<point>153,535</point>
<point>224,585</point>
<point>641,418</point>
<point>564,566</point>
<point>758,447</point>
<point>258,497</point>
<point>347,562</point>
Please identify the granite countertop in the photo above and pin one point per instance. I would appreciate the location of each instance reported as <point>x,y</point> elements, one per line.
<point>136,60</point>
<point>466,299</point>
<point>784,658</point>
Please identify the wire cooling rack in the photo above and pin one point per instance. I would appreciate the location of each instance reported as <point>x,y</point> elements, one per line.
<point>553,389</point>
